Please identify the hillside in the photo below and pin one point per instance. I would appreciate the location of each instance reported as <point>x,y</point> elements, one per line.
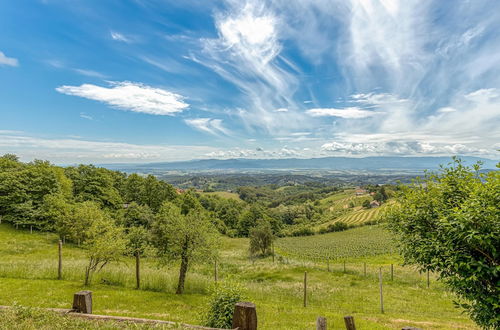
<point>29,263</point>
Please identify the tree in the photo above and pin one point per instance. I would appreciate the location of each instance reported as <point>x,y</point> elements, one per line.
<point>137,244</point>
<point>366,204</point>
<point>104,243</point>
<point>137,215</point>
<point>261,238</point>
<point>182,237</point>
<point>448,224</point>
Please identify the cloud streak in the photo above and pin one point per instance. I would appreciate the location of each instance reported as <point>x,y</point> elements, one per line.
<point>131,96</point>
<point>8,61</point>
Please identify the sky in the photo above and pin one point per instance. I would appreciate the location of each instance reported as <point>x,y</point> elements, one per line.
<point>122,81</point>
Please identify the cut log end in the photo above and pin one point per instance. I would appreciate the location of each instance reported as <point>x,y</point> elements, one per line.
<point>245,316</point>
<point>82,302</point>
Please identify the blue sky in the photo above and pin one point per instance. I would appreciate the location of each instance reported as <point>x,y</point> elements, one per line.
<point>160,80</point>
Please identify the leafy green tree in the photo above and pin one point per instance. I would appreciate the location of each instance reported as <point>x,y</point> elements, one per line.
<point>261,238</point>
<point>91,183</point>
<point>138,245</point>
<point>366,204</point>
<point>133,188</point>
<point>155,192</point>
<point>57,212</point>
<point>182,237</point>
<point>104,243</point>
<point>448,223</point>
<point>137,215</point>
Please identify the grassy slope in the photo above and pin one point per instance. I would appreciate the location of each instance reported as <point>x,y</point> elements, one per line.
<point>28,271</point>
<point>224,194</point>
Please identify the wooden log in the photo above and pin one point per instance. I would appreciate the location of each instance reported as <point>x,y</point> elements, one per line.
<point>245,316</point>
<point>321,323</point>
<point>381,291</point>
<point>349,323</point>
<point>305,289</point>
<point>82,302</point>
<point>59,266</point>
<point>410,328</point>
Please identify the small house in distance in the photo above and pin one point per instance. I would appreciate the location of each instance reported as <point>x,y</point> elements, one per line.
<point>374,204</point>
<point>360,192</point>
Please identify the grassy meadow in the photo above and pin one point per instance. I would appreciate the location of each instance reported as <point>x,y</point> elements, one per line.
<point>28,277</point>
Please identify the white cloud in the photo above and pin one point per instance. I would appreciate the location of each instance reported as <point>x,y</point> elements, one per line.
<point>131,96</point>
<point>8,61</point>
<point>281,110</point>
<point>348,113</point>
<point>208,125</point>
<point>119,37</point>
<point>71,150</point>
<point>86,116</point>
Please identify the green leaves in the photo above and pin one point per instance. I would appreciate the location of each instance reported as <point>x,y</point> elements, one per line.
<point>450,223</point>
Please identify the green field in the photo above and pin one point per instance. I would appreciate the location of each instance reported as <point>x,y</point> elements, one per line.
<point>224,194</point>
<point>28,271</point>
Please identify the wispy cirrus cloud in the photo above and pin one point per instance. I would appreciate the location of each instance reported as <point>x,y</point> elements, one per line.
<point>348,113</point>
<point>208,125</point>
<point>119,37</point>
<point>8,61</point>
<point>130,96</point>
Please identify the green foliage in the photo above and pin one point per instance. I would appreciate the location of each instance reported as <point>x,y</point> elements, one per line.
<point>449,223</point>
<point>182,237</point>
<point>135,215</point>
<point>334,227</point>
<point>366,204</point>
<point>104,243</point>
<point>223,297</point>
<point>261,238</point>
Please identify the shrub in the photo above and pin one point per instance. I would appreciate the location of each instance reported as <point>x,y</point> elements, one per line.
<point>303,231</point>
<point>333,227</point>
<point>221,306</point>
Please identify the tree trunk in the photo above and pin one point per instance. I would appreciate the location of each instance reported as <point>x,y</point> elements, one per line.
<point>137,270</point>
<point>87,276</point>
<point>183,269</point>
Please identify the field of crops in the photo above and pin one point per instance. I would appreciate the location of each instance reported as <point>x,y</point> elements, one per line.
<point>360,216</point>
<point>353,243</point>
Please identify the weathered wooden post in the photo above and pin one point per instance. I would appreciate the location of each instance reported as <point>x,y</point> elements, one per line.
<point>321,323</point>
<point>272,245</point>
<point>245,316</point>
<point>59,266</point>
<point>82,302</point>
<point>305,289</point>
<point>392,272</point>
<point>381,292</point>
<point>31,229</point>
<point>328,264</point>
<point>137,270</point>
<point>349,323</point>
<point>215,271</point>
<point>428,280</point>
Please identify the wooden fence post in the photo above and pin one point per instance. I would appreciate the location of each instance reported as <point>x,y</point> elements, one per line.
<point>321,323</point>
<point>215,272</point>
<point>344,266</point>
<point>349,323</point>
<point>305,289</point>
<point>272,245</point>
<point>82,302</point>
<point>328,264</point>
<point>428,280</point>
<point>59,266</point>
<point>245,316</point>
<point>392,272</point>
<point>381,292</point>
<point>364,266</point>
<point>137,270</point>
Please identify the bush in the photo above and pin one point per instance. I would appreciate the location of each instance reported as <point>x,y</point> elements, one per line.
<point>333,227</point>
<point>303,231</point>
<point>221,306</point>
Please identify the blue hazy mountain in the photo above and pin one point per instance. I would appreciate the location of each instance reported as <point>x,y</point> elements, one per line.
<point>381,163</point>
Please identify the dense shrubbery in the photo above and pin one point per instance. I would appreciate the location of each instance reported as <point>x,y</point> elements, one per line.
<point>336,226</point>
<point>221,306</point>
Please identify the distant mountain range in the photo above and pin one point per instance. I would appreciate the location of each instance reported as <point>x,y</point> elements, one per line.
<point>327,163</point>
